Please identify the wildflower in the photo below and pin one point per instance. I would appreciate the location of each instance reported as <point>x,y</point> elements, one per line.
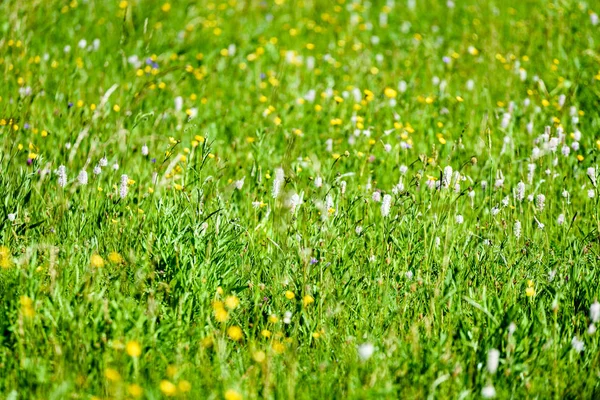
<point>96,261</point>
<point>145,150</point>
<point>591,193</point>
<point>287,317</point>
<point>520,193</point>
<point>278,181</point>
<point>459,219</point>
<point>133,349</point>
<point>561,219</point>
<point>123,188</point>
<point>289,295</point>
<point>488,392</point>
<point>595,311</point>
<point>530,291</point>
<point>376,196</point>
<point>97,170</point>
<point>386,205</point>
<point>308,299</point>
<point>135,390</point>
<point>115,258</point>
<point>259,356</point>
<point>168,388</point>
<point>62,176</point>
<point>492,360</point>
<point>235,333</point>
<point>577,344</point>
<point>318,181</point>
<point>103,162</point>
<point>365,351</point>
<point>112,374</point>
<point>82,178</point>
<point>231,394</point>
<point>5,257</point>
<point>232,302</point>
<point>540,201</point>
<point>592,174</point>
<point>11,217</point>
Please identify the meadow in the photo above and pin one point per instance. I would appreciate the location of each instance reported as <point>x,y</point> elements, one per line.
<point>299,199</point>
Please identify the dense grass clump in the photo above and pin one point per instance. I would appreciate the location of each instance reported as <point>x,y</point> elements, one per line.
<point>303,199</point>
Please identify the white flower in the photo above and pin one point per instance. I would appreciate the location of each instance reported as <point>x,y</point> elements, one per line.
<point>277,182</point>
<point>577,344</point>
<point>459,219</point>
<point>178,103</point>
<point>595,311</point>
<point>97,170</point>
<point>517,229</point>
<point>488,392</point>
<point>591,193</point>
<point>358,229</point>
<point>295,202</point>
<point>144,150</point>
<point>493,359</point>
<point>365,351</point>
<point>239,183</point>
<point>318,181</point>
<point>403,169</point>
<point>386,205</point>
<point>82,178</point>
<point>376,196</point>
<point>124,188</point>
<point>540,201</point>
<point>12,217</point>
<point>62,176</point>
<point>103,162</point>
<point>591,329</point>
<point>561,219</point>
<point>287,317</point>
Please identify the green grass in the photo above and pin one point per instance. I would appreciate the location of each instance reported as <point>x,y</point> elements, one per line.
<point>181,287</point>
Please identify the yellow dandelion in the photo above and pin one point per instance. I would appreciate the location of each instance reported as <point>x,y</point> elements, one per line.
<point>96,261</point>
<point>112,374</point>
<point>168,388</point>
<point>232,394</point>
<point>133,348</point>
<point>235,333</point>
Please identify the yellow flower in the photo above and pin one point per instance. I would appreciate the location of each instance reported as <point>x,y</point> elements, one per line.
<point>221,314</point>
<point>235,333</point>
<point>530,292</point>
<point>166,7</point>
<point>135,390</point>
<point>232,302</point>
<point>184,386</point>
<point>231,394</point>
<point>266,333</point>
<point>289,295</point>
<point>96,261</point>
<point>133,348</point>
<point>5,257</point>
<point>168,388</point>
<point>115,258</point>
<point>259,356</point>
<point>112,374</point>
<point>308,299</point>
<point>390,93</point>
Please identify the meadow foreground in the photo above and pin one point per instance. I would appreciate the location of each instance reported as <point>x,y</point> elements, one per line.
<point>299,199</point>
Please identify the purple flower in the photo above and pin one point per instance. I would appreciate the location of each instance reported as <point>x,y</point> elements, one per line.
<point>70,105</point>
<point>26,125</point>
<point>313,261</point>
<point>446,60</point>
<point>148,61</point>
<point>154,65</point>
<point>262,75</point>
<point>29,161</point>
<point>154,160</point>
